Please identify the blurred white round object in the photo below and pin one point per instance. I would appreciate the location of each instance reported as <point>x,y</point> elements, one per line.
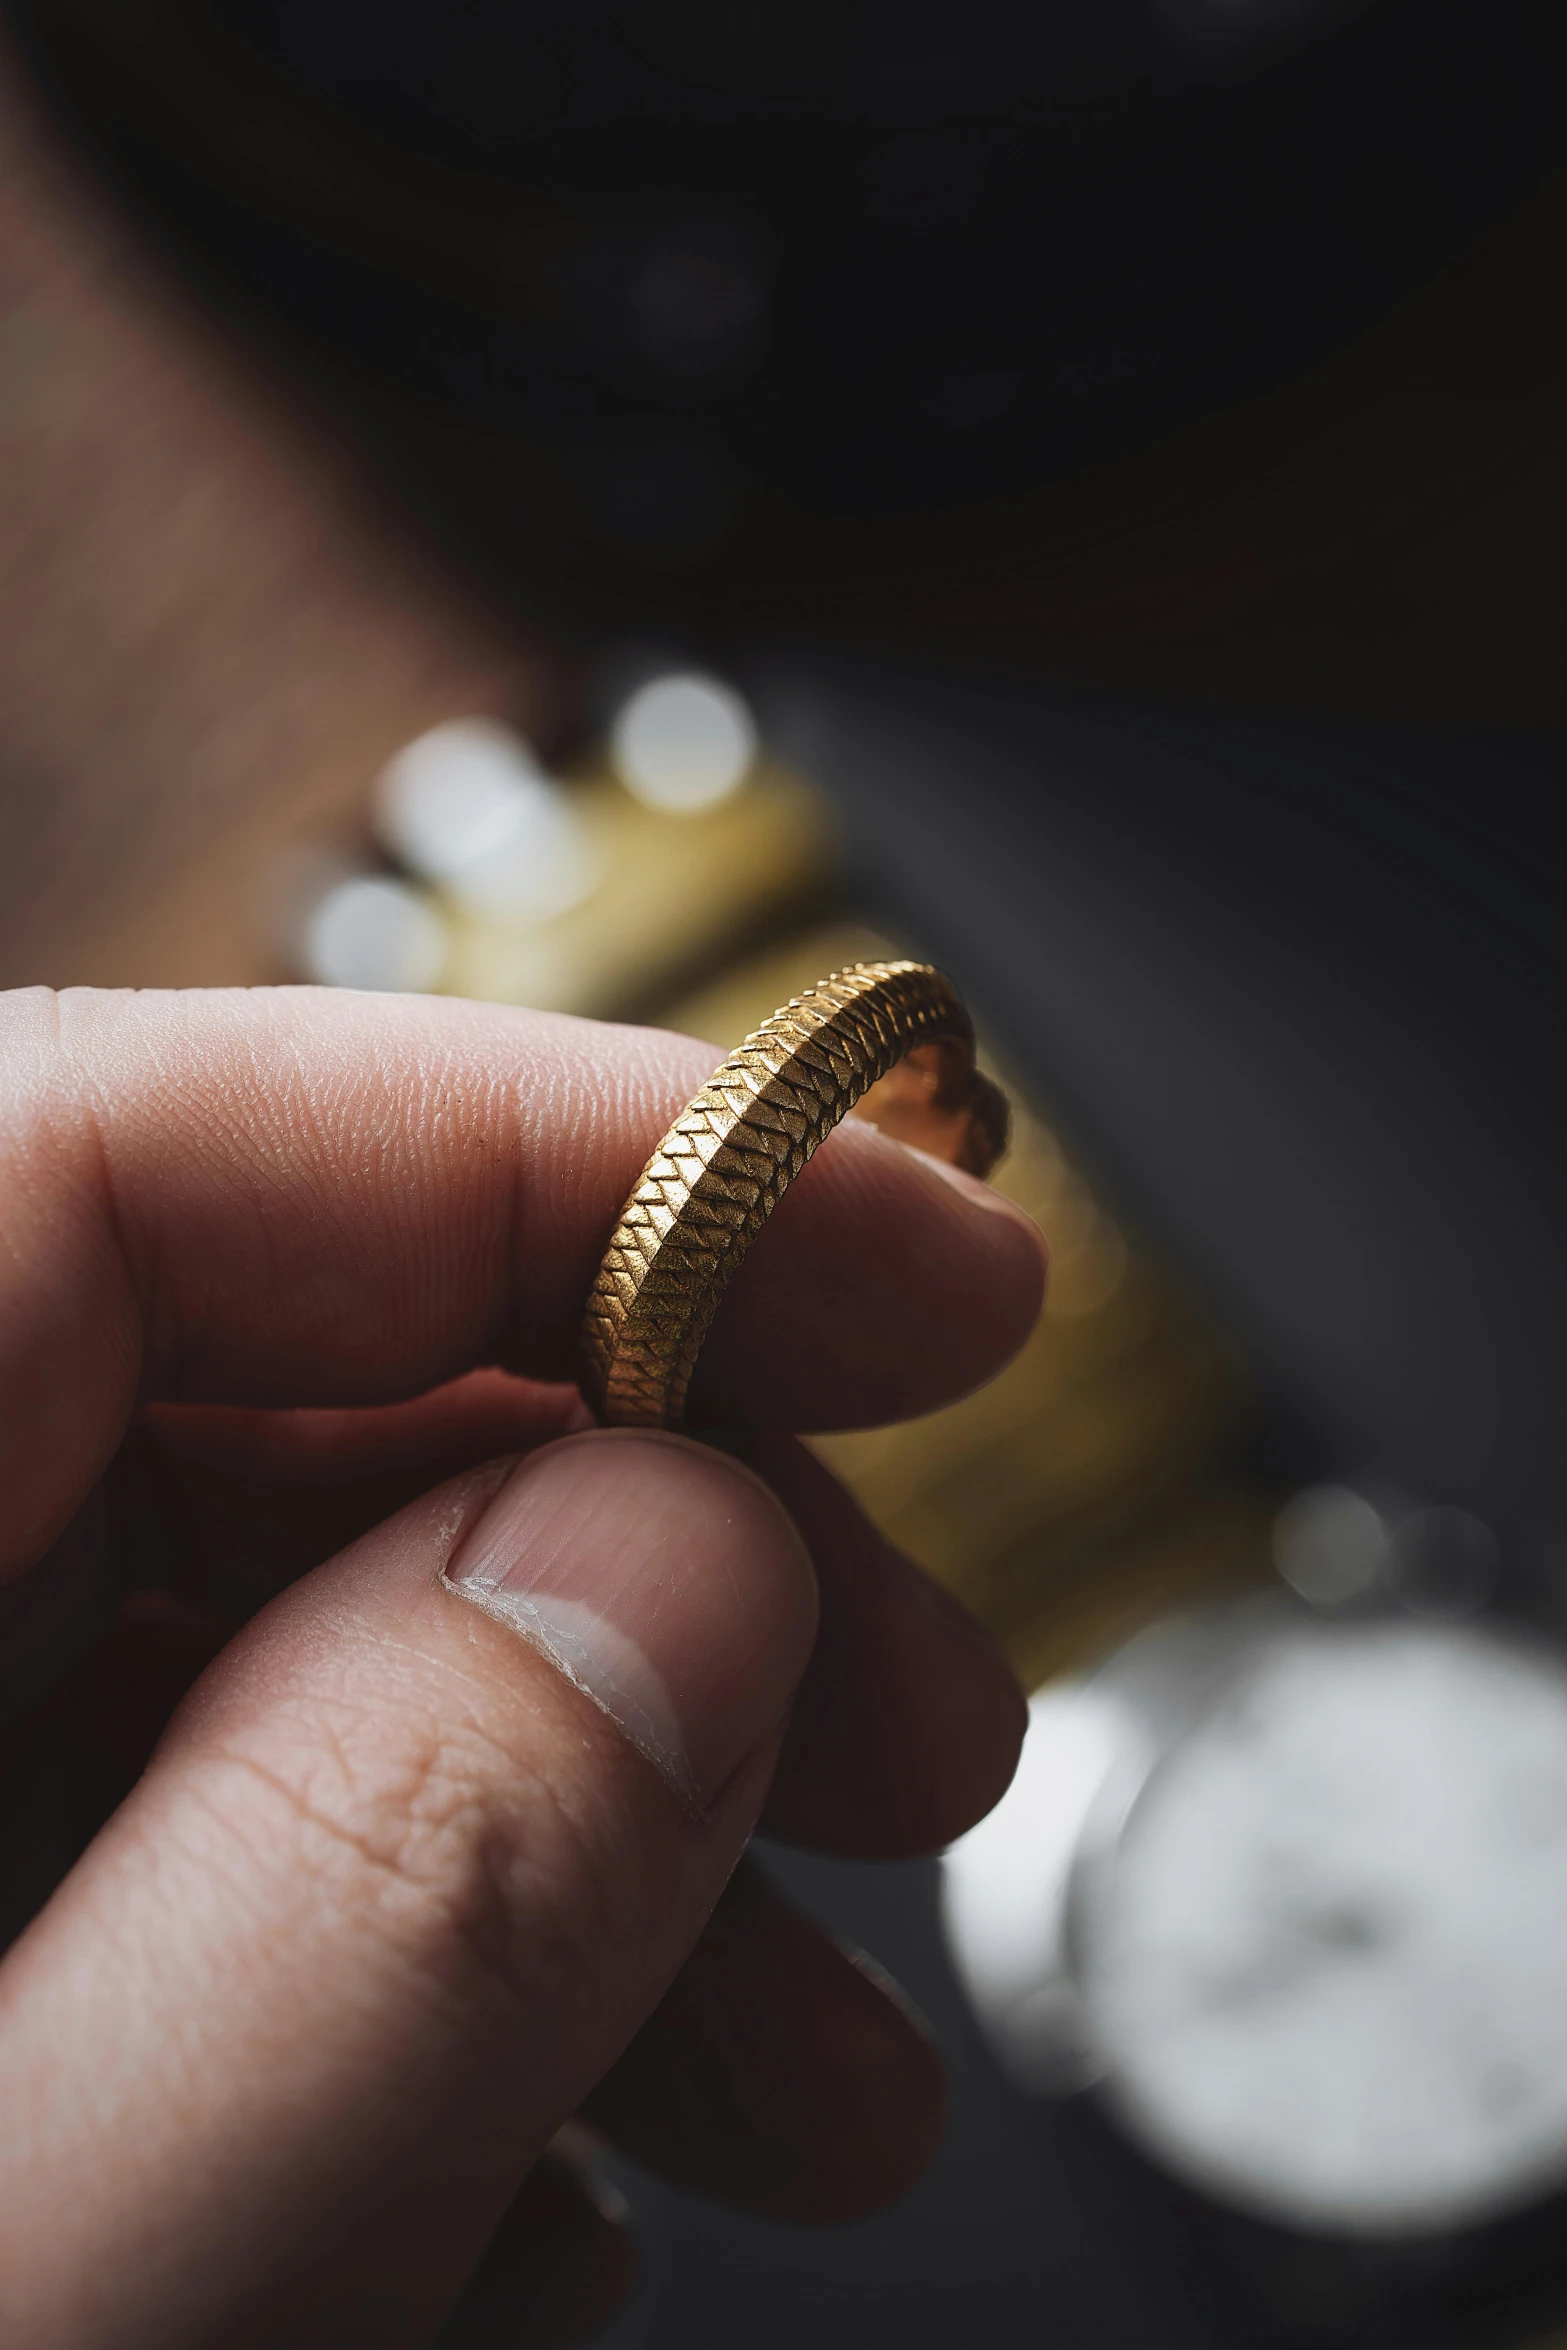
<point>682,743</point>
<point>468,805</point>
<point>373,932</point>
<point>453,795</point>
<point>1330,1545</point>
<point>1288,1894</point>
<point>1325,1965</point>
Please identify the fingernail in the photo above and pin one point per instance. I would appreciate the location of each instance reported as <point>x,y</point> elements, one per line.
<point>664,1580</point>
<point>980,1194</point>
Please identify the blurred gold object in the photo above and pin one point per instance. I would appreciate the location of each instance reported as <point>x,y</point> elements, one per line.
<point>1098,1482</point>
<point>677,893</point>
<point>734,1150</point>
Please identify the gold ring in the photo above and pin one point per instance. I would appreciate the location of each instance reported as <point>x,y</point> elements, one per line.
<point>737,1146</point>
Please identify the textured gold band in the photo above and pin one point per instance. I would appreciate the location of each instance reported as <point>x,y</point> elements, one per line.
<point>734,1150</point>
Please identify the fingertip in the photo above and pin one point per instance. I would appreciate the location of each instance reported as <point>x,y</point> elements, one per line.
<point>974,1707</point>
<point>909,1720</point>
<point>893,1755</point>
<point>886,1285</point>
<point>1027,1242</point>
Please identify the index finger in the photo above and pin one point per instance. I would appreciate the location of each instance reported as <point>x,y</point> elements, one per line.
<point>296,1196</point>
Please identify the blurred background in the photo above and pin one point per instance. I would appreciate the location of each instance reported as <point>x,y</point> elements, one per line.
<point>625,509</point>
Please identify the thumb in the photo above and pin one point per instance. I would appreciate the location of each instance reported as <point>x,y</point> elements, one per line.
<point>416,1859</point>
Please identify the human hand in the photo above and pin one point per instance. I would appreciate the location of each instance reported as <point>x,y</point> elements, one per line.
<point>394,1895</point>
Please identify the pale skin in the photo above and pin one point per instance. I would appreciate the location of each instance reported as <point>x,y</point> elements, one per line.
<point>288,1292</point>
